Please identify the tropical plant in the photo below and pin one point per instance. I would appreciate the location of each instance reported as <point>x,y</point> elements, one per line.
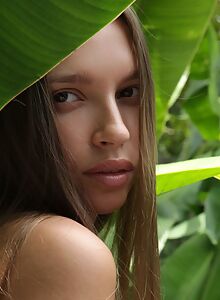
<point>184,51</point>
<point>188,134</point>
<point>37,35</point>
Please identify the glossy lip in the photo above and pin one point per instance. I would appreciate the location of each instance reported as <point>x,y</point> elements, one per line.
<point>112,180</point>
<point>110,166</point>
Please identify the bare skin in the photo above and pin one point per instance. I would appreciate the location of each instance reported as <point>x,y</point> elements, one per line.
<point>106,109</point>
<point>62,259</point>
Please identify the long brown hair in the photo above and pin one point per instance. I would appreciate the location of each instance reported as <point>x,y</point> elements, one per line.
<point>35,183</point>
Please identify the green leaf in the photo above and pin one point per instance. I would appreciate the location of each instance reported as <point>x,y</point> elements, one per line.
<point>211,289</point>
<point>174,175</point>
<point>164,225</point>
<point>189,227</point>
<point>37,35</point>
<point>184,272</point>
<point>174,31</point>
<point>212,211</point>
<point>202,116</point>
<point>201,95</point>
<point>214,71</point>
<point>177,204</point>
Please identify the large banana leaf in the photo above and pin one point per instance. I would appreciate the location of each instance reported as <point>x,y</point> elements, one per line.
<point>185,273</point>
<point>211,288</point>
<point>198,280</point>
<point>174,175</point>
<point>201,95</point>
<point>212,211</point>
<point>174,30</point>
<point>36,35</point>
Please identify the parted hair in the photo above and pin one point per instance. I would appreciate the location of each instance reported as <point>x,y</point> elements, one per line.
<point>35,183</point>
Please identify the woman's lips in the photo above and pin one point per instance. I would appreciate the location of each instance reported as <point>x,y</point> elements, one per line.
<point>111,179</point>
<point>111,165</point>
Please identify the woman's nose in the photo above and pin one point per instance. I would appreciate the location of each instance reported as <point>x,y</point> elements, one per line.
<point>111,130</point>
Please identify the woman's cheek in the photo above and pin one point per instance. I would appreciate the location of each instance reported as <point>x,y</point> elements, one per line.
<point>73,131</point>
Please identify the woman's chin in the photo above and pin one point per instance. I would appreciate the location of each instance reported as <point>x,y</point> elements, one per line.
<point>108,205</point>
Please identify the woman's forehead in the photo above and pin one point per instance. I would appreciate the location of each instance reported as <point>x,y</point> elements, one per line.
<point>107,51</point>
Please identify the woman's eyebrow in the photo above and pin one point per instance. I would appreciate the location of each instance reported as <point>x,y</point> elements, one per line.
<point>85,78</point>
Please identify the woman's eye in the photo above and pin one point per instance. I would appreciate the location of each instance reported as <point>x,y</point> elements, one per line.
<point>130,92</point>
<point>65,97</point>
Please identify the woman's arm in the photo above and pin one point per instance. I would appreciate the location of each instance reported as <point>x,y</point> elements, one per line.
<point>63,260</point>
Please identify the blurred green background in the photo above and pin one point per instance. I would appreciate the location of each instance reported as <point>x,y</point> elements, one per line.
<point>183,37</point>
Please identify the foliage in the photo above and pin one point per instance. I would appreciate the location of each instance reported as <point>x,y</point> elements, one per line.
<point>174,175</point>
<point>188,217</point>
<point>183,38</point>
<point>174,30</point>
<point>36,35</point>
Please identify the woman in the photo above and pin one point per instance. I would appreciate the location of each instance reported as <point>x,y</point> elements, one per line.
<point>79,156</point>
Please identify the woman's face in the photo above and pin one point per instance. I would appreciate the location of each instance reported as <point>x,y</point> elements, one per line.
<point>96,97</point>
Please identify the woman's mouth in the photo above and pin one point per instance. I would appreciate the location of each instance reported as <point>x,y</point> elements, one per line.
<point>111,179</point>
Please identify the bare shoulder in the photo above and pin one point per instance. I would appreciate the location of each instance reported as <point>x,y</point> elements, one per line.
<point>62,259</point>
